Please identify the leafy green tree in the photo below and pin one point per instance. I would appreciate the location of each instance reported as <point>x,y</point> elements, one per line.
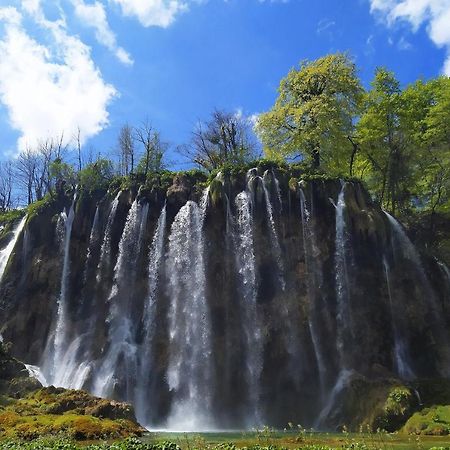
<point>426,122</point>
<point>96,175</point>
<point>404,141</point>
<point>313,116</point>
<point>382,139</point>
<point>61,174</point>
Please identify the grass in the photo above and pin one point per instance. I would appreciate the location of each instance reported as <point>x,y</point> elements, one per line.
<point>301,439</point>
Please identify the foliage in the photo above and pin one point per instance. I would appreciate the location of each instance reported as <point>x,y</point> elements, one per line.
<point>433,421</point>
<point>313,114</point>
<point>404,143</point>
<point>61,174</point>
<point>97,175</point>
<point>37,207</point>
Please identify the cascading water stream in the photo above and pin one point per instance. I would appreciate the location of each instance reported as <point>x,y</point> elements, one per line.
<point>53,369</point>
<point>105,251</point>
<point>409,252</point>
<point>445,270</point>
<point>144,397</point>
<point>344,321</point>
<point>344,317</point>
<point>276,248</point>
<point>190,369</point>
<point>120,360</point>
<point>308,244</point>
<point>6,252</point>
<point>93,240</point>
<point>245,261</point>
<point>402,364</point>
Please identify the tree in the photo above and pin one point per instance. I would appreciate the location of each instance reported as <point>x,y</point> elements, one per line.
<point>6,185</point>
<point>96,175</point>
<point>314,113</point>
<point>224,138</point>
<point>61,174</point>
<point>126,149</point>
<point>153,147</point>
<point>26,167</point>
<point>384,141</point>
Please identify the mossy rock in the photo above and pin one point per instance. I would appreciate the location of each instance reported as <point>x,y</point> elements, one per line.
<point>399,405</point>
<point>430,421</point>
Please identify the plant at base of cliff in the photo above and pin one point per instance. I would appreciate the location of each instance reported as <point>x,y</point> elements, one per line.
<point>265,434</point>
<point>398,402</point>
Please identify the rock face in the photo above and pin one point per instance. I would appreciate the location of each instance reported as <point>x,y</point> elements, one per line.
<point>259,300</point>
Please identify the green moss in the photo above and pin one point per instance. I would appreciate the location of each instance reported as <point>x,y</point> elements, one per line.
<point>37,207</point>
<point>432,421</point>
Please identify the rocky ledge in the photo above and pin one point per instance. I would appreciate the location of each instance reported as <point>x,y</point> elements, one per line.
<point>29,410</point>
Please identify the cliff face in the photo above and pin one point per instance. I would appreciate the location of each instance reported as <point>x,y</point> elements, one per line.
<point>258,300</point>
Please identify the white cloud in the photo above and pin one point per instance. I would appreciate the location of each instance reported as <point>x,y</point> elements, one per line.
<point>160,13</point>
<point>325,25</point>
<point>94,15</point>
<point>435,14</point>
<point>49,89</point>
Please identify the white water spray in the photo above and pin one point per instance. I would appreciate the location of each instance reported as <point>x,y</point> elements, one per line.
<point>7,251</point>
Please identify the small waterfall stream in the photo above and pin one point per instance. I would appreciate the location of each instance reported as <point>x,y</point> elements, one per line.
<point>408,251</point>
<point>245,261</point>
<point>313,322</point>
<point>190,368</point>
<point>144,392</point>
<point>93,240</point>
<point>400,352</point>
<point>6,252</point>
<point>343,310</point>
<point>105,251</point>
<point>344,317</point>
<point>55,371</point>
<point>275,242</point>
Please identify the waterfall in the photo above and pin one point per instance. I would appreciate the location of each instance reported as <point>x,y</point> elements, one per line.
<point>273,231</point>
<point>344,318</point>
<point>55,372</point>
<point>143,390</point>
<point>445,270</point>
<point>400,353</point>
<point>6,252</point>
<point>189,373</point>
<point>409,252</point>
<point>119,363</point>
<point>308,246</point>
<point>35,372</point>
<point>93,240</point>
<point>275,243</point>
<point>245,260</point>
<point>105,251</point>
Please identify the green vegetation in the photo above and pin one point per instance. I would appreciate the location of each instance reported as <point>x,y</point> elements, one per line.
<point>235,441</point>
<point>432,421</point>
<point>396,140</point>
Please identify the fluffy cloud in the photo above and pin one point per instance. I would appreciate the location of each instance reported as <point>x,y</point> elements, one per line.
<point>49,89</point>
<point>94,15</point>
<point>434,13</point>
<point>160,13</point>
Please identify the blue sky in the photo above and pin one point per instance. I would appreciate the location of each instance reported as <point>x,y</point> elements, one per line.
<point>98,64</point>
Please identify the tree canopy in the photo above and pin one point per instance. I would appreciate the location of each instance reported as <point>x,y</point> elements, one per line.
<point>313,114</point>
